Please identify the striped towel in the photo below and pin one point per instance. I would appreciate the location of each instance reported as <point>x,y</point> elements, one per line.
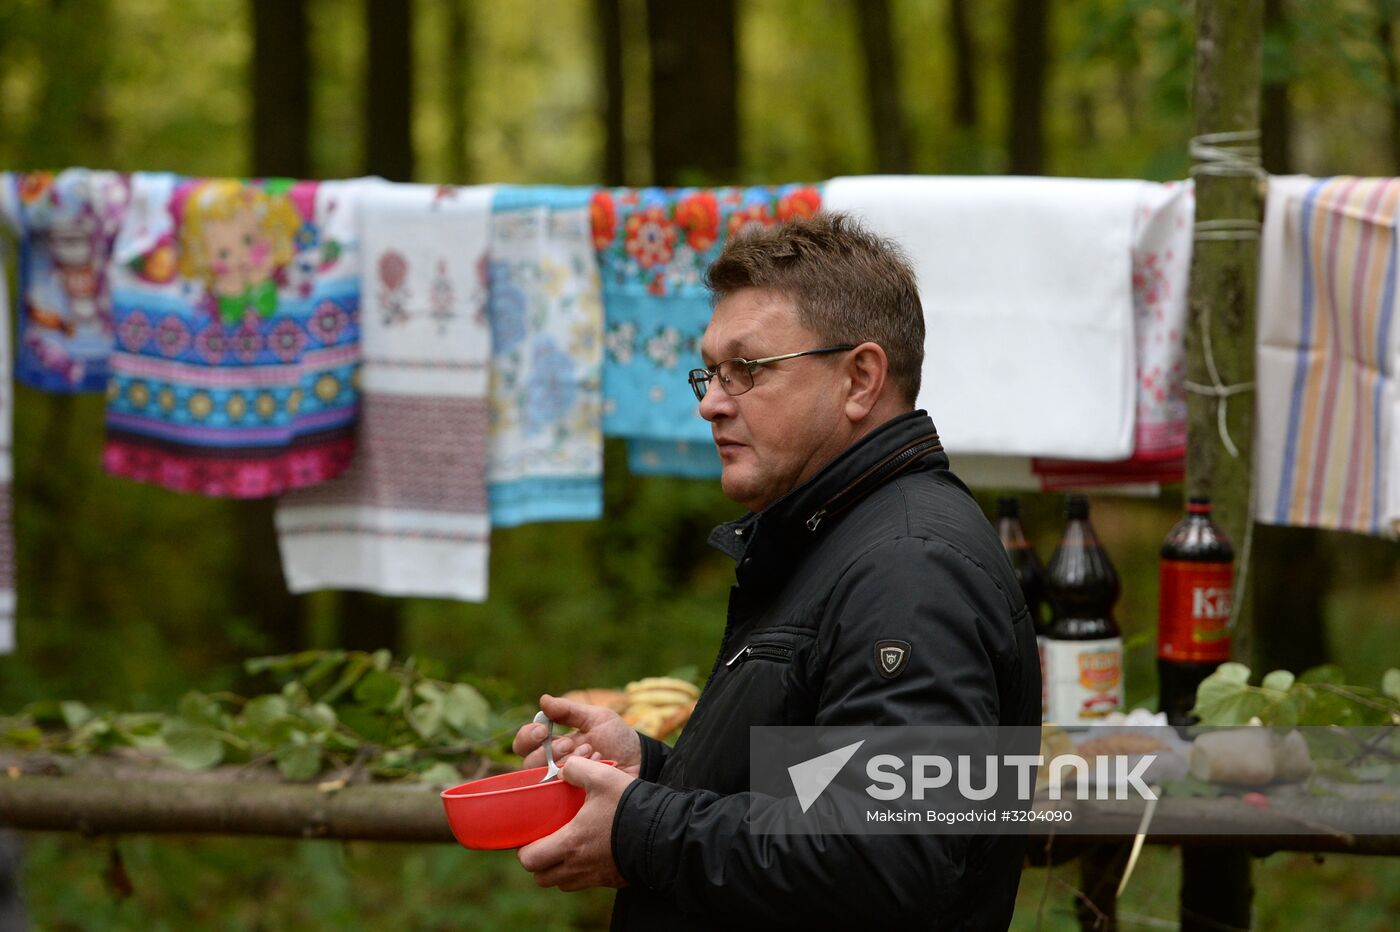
<point>410,515</point>
<point>546,310</point>
<point>1328,452</point>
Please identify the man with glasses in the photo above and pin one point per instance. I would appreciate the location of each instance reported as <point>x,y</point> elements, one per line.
<point>870,590</point>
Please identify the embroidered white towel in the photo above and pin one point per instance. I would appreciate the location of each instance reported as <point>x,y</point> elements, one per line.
<point>410,516</point>
<point>1028,301</point>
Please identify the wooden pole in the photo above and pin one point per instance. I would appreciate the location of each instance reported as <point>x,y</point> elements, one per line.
<point>1216,891</point>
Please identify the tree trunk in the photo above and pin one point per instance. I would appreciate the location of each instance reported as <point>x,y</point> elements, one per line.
<point>1385,38</point>
<point>389,89</point>
<point>1029,64</point>
<point>1224,272</point>
<point>458,54</point>
<point>281,87</point>
<point>1276,119</point>
<point>694,92</point>
<point>885,104</point>
<point>281,105</point>
<point>608,18</point>
<point>964,62</point>
<point>1291,565</point>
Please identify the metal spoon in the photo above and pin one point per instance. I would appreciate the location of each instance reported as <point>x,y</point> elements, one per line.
<point>553,771</point>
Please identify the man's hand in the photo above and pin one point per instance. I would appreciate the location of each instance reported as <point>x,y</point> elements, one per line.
<point>579,855</point>
<point>601,733</point>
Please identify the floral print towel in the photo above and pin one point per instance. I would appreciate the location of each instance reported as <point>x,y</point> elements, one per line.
<point>654,245</point>
<point>546,313</point>
<point>66,224</point>
<point>236,305</point>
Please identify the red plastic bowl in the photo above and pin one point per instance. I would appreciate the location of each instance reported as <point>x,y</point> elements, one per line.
<point>511,809</point>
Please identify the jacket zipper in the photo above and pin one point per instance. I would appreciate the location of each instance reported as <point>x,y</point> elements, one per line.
<point>762,652</point>
<point>876,474</point>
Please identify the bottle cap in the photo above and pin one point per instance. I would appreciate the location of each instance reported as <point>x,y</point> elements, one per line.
<point>1076,506</point>
<point>1008,507</point>
<point>1198,505</point>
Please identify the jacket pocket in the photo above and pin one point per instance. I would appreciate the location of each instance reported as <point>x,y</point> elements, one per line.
<point>761,650</point>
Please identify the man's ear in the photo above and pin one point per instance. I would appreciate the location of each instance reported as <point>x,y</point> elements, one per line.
<point>867,366</point>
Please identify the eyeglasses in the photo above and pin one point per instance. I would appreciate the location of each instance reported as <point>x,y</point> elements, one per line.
<point>736,375</point>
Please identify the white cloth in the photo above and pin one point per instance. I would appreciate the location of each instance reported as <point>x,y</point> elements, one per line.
<point>1327,452</point>
<point>410,516</point>
<point>1028,302</point>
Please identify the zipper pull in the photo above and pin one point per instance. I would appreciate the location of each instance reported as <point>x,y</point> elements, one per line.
<point>816,519</point>
<point>735,659</point>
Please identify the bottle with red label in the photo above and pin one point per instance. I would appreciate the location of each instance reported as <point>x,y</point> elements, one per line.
<point>1193,609</point>
<point>1083,648</point>
<point>1029,574</point>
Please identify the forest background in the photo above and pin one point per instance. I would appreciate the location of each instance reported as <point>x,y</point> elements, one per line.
<point>130,595</point>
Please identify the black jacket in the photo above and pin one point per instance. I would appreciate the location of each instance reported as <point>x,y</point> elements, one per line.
<point>884,543</point>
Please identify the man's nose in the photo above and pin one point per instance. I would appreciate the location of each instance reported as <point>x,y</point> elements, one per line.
<point>717,403</point>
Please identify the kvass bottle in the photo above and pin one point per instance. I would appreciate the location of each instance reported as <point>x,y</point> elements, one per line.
<point>1083,646</point>
<point>1196,578</point>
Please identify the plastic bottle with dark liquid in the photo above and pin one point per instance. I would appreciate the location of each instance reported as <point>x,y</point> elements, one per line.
<point>1029,574</point>
<point>1196,584</point>
<point>1083,646</point>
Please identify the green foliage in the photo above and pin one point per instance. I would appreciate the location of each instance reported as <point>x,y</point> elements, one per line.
<point>333,710</point>
<point>1319,696</point>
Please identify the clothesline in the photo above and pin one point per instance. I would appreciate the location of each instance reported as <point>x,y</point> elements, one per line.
<point>483,340</point>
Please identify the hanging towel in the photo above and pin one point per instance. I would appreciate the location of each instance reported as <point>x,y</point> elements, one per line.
<point>653,247</point>
<point>1027,292</point>
<point>66,224</point>
<point>1161,284</point>
<point>410,517</point>
<point>7,528</point>
<point>1328,450</point>
<point>236,306</point>
<point>546,314</point>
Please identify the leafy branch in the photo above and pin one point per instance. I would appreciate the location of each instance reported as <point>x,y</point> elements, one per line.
<point>349,711</point>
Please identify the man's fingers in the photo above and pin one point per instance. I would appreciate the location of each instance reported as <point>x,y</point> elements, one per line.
<point>542,855</point>
<point>528,738</point>
<point>567,712</point>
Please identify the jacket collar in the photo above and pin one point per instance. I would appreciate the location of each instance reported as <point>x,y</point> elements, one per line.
<point>762,542</point>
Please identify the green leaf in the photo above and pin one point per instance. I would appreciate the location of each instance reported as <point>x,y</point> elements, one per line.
<point>426,717</point>
<point>466,709</point>
<point>1390,683</point>
<point>299,761</point>
<point>356,668</point>
<point>441,774</point>
<point>25,736</point>
<point>1281,680</point>
<point>1232,672</point>
<point>74,714</point>
<point>322,667</point>
<point>1225,698</point>
<point>264,712</point>
<point>1327,673</point>
<point>198,709</point>
<point>378,690</point>
<point>321,716</point>
<point>194,748</point>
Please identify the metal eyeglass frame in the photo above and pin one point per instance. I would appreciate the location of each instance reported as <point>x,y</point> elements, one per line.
<point>700,378</point>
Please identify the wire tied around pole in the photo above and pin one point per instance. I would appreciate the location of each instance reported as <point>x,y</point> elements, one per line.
<point>1227,155</point>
